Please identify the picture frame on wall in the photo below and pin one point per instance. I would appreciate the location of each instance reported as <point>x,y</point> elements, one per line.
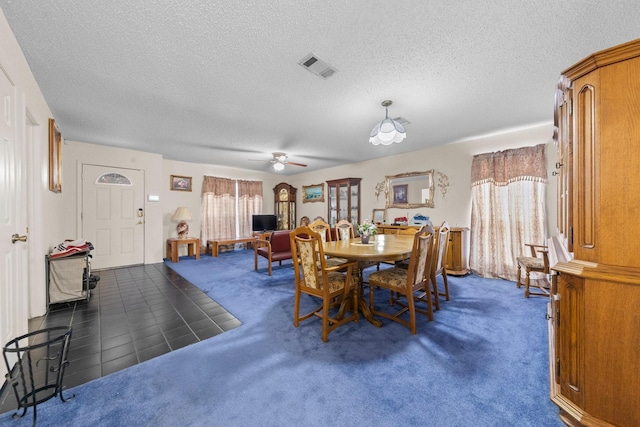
<point>180,183</point>
<point>400,193</point>
<point>55,157</point>
<point>313,193</point>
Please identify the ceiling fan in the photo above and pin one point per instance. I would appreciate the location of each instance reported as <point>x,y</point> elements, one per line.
<point>280,159</point>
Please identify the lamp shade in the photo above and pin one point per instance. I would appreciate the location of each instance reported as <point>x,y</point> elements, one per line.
<point>278,166</point>
<point>182,214</point>
<point>387,131</point>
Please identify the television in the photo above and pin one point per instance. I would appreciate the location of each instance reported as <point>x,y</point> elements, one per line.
<point>264,222</point>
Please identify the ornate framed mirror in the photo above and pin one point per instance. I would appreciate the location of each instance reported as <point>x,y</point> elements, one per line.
<point>410,190</point>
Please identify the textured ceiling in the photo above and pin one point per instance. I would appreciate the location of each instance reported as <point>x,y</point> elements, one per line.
<point>218,82</point>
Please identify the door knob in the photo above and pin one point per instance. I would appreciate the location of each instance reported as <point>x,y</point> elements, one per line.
<point>18,238</point>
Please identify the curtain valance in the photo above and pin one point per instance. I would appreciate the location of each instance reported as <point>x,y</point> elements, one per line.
<point>249,188</point>
<point>218,186</point>
<point>503,167</point>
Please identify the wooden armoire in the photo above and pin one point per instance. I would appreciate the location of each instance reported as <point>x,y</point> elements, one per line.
<point>594,313</point>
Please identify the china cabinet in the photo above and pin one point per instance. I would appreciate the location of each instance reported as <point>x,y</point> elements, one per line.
<point>593,311</point>
<point>284,196</point>
<point>344,200</point>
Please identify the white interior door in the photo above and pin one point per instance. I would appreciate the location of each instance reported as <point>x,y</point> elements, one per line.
<point>113,215</point>
<point>13,252</point>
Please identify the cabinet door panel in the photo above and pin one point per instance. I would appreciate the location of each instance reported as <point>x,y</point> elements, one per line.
<point>570,343</point>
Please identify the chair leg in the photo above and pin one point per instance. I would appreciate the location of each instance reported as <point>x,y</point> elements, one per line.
<point>412,312</point>
<point>446,285</point>
<point>518,284</point>
<point>526,284</point>
<point>325,321</point>
<point>296,309</point>
<point>434,284</point>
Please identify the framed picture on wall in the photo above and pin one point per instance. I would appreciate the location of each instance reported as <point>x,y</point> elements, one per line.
<point>180,183</point>
<point>313,193</point>
<point>400,193</point>
<point>55,157</point>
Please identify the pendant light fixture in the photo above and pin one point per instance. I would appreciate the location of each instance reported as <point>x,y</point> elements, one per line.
<point>387,131</point>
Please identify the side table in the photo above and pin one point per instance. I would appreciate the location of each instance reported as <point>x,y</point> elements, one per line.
<point>193,246</point>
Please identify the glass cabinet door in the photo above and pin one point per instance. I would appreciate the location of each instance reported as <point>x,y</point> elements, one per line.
<point>354,214</point>
<point>344,200</point>
<point>333,205</point>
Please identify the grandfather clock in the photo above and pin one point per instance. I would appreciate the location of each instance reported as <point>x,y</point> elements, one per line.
<point>285,205</point>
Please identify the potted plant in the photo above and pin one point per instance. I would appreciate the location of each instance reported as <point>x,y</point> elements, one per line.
<point>366,230</point>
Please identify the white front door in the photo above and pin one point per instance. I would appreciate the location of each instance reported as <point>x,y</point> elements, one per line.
<point>113,215</point>
<point>13,252</point>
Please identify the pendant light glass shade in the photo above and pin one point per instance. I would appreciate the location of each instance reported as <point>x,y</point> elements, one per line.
<point>387,131</point>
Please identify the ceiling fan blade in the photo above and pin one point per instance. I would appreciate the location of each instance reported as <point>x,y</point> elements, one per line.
<point>296,164</point>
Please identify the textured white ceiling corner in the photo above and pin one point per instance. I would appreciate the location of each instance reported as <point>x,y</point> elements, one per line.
<point>219,82</point>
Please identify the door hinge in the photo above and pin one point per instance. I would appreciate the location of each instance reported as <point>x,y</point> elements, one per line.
<point>557,318</point>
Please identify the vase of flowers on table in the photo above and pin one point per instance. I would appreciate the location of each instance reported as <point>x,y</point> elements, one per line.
<point>366,230</point>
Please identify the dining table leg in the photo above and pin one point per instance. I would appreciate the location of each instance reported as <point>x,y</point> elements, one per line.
<point>356,302</point>
<point>363,306</point>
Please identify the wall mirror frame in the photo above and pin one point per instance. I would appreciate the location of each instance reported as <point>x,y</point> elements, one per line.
<point>410,190</point>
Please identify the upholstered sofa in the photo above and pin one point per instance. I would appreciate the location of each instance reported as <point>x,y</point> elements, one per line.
<point>276,248</point>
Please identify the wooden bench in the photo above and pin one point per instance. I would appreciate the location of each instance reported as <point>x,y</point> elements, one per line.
<point>215,243</point>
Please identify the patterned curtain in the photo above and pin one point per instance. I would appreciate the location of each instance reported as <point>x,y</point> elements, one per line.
<point>218,208</point>
<point>249,203</point>
<point>508,209</point>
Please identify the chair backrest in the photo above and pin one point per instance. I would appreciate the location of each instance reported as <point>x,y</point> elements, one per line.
<point>280,241</point>
<point>344,230</point>
<point>421,256</point>
<point>304,220</point>
<point>322,228</point>
<point>441,248</point>
<point>307,251</point>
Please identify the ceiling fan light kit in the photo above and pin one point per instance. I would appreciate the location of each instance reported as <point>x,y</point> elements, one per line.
<point>387,131</point>
<point>280,159</point>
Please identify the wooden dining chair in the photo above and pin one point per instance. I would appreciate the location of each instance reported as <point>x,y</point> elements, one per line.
<point>324,230</point>
<point>405,283</point>
<point>344,230</point>
<point>439,267</point>
<point>537,262</point>
<point>316,278</point>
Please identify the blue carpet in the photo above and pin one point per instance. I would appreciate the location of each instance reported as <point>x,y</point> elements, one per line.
<point>483,361</point>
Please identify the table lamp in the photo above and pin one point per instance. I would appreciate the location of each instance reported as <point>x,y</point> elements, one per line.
<point>182,215</point>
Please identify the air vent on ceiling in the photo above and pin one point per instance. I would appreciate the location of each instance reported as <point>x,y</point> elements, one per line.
<point>317,66</point>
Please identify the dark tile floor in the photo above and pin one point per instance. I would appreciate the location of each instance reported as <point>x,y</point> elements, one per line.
<point>134,314</point>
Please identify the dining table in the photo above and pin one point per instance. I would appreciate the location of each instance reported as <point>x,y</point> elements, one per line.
<point>380,248</point>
